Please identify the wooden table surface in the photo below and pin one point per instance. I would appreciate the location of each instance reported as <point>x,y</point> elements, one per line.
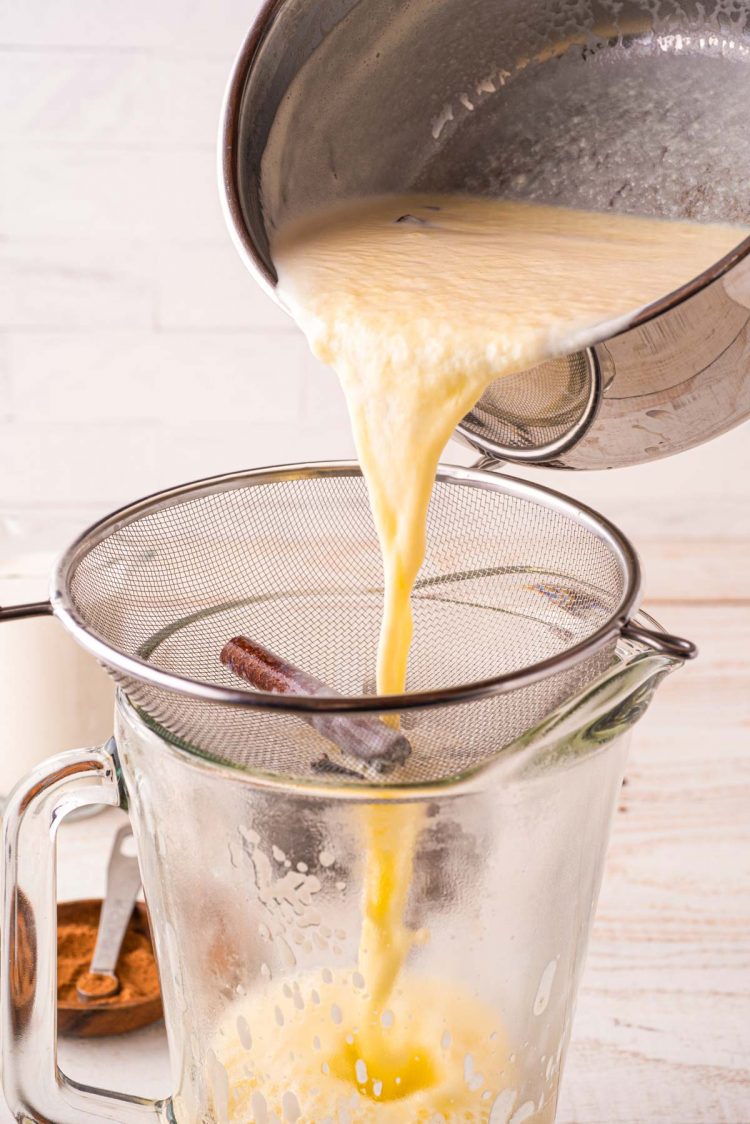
<point>662,1032</point>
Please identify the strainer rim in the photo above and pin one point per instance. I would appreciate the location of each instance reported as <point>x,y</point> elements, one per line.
<point>65,609</point>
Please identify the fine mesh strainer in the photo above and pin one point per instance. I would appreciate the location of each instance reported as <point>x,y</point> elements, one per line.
<point>538,414</point>
<point>521,601</point>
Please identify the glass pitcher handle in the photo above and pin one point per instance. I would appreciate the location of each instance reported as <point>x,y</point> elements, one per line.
<point>33,1084</point>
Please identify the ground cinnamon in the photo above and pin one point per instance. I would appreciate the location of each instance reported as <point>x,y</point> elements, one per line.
<point>136,967</point>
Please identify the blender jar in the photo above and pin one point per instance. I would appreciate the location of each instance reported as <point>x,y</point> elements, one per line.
<point>255,889</point>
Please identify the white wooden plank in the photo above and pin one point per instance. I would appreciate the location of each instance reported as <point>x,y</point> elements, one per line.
<point>93,463</point>
<point>76,285</point>
<point>699,495</point>
<point>663,1026</point>
<point>695,570</point>
<point>81,284</point>
<point>110,194</point>
<point>5,392</point>
<point>205,285</point>
<point>177,377</point>
<point>661,1060</point>
<point>111,98</point>
<point>175,24</point>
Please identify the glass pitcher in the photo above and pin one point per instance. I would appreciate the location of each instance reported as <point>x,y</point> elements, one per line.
<point>255,887</point>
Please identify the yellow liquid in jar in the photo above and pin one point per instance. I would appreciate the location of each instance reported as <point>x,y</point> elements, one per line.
<point>417,317</point>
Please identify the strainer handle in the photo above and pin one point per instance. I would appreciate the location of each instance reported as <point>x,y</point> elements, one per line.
<point>663,642</point>
<point>21,612</point>
<point>33,1084</point>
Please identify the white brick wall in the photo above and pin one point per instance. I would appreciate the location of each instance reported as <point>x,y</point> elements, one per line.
<point>135,352</point>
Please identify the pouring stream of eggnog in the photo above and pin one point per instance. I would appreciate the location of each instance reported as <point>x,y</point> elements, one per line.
<point>418,303</point>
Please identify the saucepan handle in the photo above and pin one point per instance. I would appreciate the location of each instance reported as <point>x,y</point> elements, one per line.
<point>33,1084</point>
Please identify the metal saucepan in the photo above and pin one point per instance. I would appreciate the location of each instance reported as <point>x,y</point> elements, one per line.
<point>628,106</point>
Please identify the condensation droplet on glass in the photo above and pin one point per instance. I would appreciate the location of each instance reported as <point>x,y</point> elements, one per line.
<point>278,854</point>
<point>526,1110</point>
<point>503,1107</point>
<point>336,1015</point>
<point>326,858</point>
<point>302,868</point>
<point>545,988</point>
<point>279,1014</point>
<point>291,1108</point>
<point>358,980</point>
<point>243,1031</point>
<point>360,1069</point>
<point>442,119</point>
<point>286,953</point>
<point>387,1019</point>
<point>446,1040</point>
<point>315,996</point>
<point>259,1107</point>
<point>219,1083</point>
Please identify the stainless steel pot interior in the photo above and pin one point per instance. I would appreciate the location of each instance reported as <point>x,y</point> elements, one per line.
<point>629,106</point>
<point>612,105</point>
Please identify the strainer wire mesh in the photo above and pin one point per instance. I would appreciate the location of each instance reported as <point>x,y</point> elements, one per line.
<point>537,413</point>
<point>514,577</point>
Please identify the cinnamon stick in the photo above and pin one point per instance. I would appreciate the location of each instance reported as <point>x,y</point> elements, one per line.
<point>359,735</point>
